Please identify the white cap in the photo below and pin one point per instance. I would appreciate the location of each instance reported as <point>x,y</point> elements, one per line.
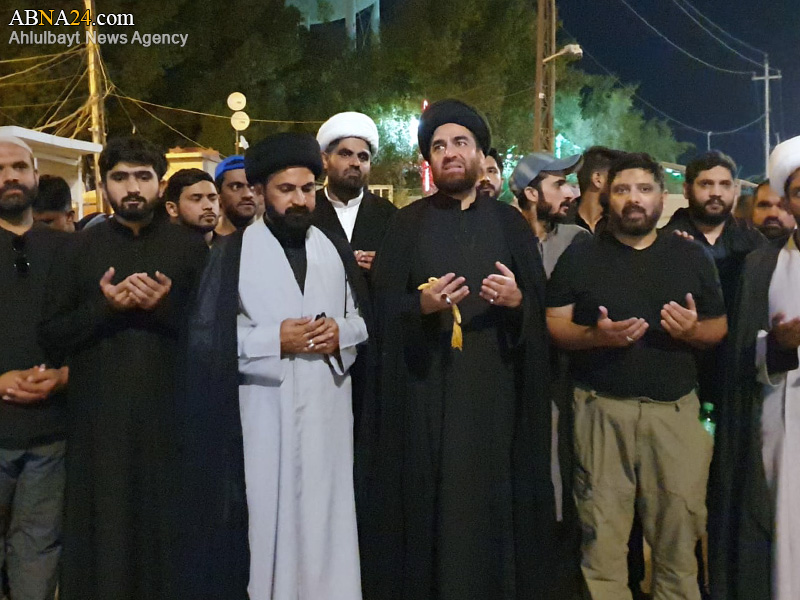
<point>784,160</point>
<point>348,124</point>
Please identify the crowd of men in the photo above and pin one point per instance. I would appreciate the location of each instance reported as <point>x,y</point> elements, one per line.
<point>243,386</point>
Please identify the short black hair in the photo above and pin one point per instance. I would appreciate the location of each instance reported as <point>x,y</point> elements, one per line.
<point>134,150</point>
<point>709,160</point>
<point>756,189</point>
<point>536,183</point>
<point>637,160</point>
<point>53,195</point>
<point>492,153</point>
<point>596,158</point>
<point>184,178</point>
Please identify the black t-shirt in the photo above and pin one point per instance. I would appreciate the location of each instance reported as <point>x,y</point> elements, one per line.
<point>21,299</point>
<point>636,283</point>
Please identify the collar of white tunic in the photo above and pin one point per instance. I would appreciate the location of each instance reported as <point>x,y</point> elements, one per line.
<point>347,213</point>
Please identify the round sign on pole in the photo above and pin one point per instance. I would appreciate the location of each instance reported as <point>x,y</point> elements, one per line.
<point>236,101</point>
<point>240,121</point>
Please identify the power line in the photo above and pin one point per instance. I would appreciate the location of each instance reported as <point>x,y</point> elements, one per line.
<point>56,60</point>
<point>205,114</point>
<point>679,48</point>
<point>713,35</point>
<point>26,58</point>
<point>721,30</point>
<point>658,110</point>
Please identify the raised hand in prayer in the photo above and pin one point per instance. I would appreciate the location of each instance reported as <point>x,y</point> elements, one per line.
<point>678,321</point>
<point>447,290</point>
<point>617,334</point>
<point>323,338</point>
<point>787,333</point>
<point>146,291</point>
<point>364,258</point>
<point>32,385</point>
<point>118,296</point>
<point>501,290</point>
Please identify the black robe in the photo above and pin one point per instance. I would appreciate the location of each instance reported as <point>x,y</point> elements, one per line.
<point>213,560</point>
<point>741,513</point>
<point>459,501</point>
<point>120,403</point>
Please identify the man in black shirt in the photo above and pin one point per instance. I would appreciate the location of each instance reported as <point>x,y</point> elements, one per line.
<point>31,410</point>
<point>632,306</point>
<point>590,212</point>
<point>114,308</point>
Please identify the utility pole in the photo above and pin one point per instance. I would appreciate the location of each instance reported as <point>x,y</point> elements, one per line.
<point>766,79</point>
<point>545,88</point>
<point>98,127</point>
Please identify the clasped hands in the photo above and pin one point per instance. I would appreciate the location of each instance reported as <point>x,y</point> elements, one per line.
<point>32,385</point>
<point>309,336</point>
<point>138,290</point>
<point>497,289</point>
<point>678,321</point>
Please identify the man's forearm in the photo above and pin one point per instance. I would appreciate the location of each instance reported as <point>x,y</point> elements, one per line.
<point>708,333</point>
<point>568,335</point>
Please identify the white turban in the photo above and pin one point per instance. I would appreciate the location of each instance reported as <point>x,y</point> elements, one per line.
<point>348,124</point>
<point>784,160</point>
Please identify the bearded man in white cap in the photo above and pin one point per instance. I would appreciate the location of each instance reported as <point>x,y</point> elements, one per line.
<point>755,526</point>
<point>345,206</point>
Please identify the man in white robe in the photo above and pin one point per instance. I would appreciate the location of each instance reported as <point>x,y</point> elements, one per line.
<point>298,327</point>
<point>756,543</point>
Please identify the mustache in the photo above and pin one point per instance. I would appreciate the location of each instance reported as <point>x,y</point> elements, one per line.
<point>629,209</point>
<point>133,198</point>
<point>297,210</point>
<point>13,186</point>
<point>772,221</point>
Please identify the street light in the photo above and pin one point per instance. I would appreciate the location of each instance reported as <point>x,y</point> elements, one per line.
<point>571,50</point>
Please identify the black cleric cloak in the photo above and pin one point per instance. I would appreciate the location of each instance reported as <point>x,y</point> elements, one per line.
<point>404,438</point>
<point>214,559</point>
<point>741,513</point>
<point>371,225</point>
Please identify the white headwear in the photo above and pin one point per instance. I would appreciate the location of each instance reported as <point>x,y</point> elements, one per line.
<point>348,124</point>
<point>784,160</point>
<point>11,139</point>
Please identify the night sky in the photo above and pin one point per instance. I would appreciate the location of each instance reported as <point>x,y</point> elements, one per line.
<point>683,88</point>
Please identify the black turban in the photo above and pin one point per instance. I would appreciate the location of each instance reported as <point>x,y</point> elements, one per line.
<point>282,151</point>
<point>452,111</point>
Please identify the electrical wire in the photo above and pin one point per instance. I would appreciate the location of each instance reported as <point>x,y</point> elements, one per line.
<point>183,135</point>
<point>679,48</point>
<point>43,82</point>
<point>205,114</point>
<point>713,35</point>
<point>56,60</point>
<point>37,104</point>
<point>658,110</point>
<point>721,30</point>
<point>26,58</point>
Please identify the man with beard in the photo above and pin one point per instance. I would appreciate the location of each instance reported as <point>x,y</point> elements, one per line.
<point>236,198</point>
<point>592,179</point>
<point>460,502</point>
<point>114,308</point>
<point>755,535</point>
<point>539,182</point>
<point>711,190</point>
<point>631,306</point>
<point>32,409</point>
<point>770,214</point>
<point>53,205</point>
<point>271,507</point>
<point>345,206</point>
<point>193,201</point>
<point>491,179</point>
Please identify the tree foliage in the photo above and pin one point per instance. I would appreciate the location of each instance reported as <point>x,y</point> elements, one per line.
<point>481,52</point>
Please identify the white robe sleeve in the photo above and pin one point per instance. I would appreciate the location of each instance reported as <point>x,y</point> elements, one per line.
<point>352,331</point>
<point>762,374</point>
<point>260,350</point>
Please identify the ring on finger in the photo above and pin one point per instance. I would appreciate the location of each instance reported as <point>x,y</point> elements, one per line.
<point>448,300</point>
<point>629,338</point>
